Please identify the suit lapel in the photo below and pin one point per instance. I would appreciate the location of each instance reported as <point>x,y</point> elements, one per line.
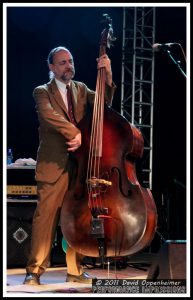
<point>58,98</point>
<point>56,94</point>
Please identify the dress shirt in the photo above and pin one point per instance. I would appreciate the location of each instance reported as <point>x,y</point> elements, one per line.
<point>63,91</point>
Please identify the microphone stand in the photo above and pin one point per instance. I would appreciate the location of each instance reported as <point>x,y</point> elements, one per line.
<point>177,63</point>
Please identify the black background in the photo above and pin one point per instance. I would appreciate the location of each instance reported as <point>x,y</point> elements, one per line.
<point>33,31</point>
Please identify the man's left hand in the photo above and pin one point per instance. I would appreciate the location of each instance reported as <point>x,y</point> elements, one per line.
<point>105,62</point>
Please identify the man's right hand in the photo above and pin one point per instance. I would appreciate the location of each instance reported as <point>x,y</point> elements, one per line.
<point>75,143</point>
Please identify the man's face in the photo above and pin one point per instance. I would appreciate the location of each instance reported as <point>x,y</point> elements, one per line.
<point>63,66</point>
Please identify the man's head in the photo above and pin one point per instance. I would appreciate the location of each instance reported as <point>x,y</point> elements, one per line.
<point>61,64</point>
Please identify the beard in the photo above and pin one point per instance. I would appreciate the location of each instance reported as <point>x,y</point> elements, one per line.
<point>68,74</point>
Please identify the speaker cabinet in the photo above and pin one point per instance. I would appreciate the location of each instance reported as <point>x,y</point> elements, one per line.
<point>170,262</point>
<point>19,226</point>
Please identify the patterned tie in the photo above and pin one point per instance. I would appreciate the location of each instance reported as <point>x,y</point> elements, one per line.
<point>70,107</point>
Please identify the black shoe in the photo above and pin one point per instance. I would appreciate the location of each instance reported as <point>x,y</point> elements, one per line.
<point>83,278</point>
<point>32,279</point>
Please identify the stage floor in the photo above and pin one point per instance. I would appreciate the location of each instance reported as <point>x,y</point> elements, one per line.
<point>53,280</point>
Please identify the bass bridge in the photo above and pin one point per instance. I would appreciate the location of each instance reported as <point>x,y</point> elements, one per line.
<point>94,182</point>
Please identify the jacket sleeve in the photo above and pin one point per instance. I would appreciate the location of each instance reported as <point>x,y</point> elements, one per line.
<point>108,96</point>
<point>50,118</point>
<point>109,93</point>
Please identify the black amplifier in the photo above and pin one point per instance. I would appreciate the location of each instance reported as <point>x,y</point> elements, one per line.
<point>21,182</point>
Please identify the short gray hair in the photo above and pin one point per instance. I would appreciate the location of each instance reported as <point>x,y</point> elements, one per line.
<point>53,51</point>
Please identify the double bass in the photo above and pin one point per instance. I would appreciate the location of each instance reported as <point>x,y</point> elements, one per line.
<point>108,213</point>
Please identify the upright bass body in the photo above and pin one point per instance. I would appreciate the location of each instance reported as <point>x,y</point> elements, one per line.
<point>129,215</point>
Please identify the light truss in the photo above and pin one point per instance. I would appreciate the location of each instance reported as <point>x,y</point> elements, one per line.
<point>137,82</point>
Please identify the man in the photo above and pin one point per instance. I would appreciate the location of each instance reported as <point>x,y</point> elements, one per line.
<point>58,136</point>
